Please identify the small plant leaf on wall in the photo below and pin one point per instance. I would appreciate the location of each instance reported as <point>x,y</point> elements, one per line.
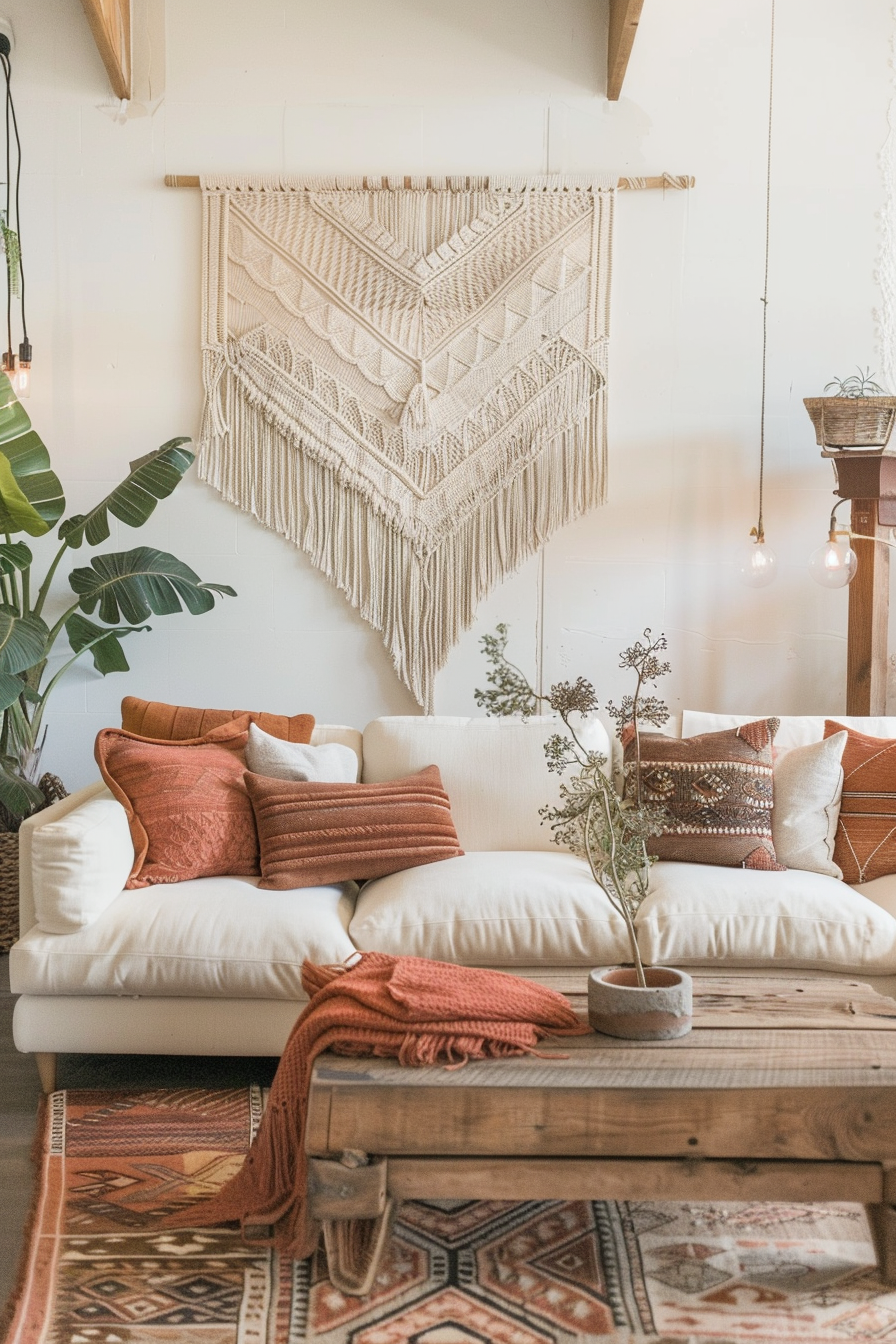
<point>130,585</point>
<point>29,462</point>
<point>152,478</point>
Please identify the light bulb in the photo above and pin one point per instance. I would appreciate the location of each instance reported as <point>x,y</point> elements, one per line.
<point>833,564</point>
<point>756,564</point>
<point>22,376</point>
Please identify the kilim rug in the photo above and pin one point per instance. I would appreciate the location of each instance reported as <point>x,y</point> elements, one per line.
<point>99,1269</point>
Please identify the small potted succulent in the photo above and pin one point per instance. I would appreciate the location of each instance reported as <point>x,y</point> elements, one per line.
<point>608,827</point>
<point>856,414</point>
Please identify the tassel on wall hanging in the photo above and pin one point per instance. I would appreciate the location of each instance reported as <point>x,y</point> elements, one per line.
<point>407,379</point>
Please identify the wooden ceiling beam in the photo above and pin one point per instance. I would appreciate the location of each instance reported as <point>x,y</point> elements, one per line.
<point>110,23</point>
<point>624,16</point>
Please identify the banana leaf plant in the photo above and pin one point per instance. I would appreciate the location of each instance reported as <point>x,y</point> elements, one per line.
<point>123,588</point>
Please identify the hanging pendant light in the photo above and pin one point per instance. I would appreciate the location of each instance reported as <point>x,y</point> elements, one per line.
<point>756,561</point>
<point>834,564</point>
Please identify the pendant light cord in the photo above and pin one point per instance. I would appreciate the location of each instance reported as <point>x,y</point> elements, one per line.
<point>760,527</point>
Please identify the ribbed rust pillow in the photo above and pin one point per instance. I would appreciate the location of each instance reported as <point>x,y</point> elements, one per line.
<point>179,723</point>
<point>865,844</point>
<point>716,789</point>
<point>186,802</point>
<point>312,834</point>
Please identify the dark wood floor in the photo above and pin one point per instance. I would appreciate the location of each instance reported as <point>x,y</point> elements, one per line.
<point>20,1092</point>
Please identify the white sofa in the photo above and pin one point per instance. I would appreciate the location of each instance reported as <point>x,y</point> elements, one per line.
<point>212,966</point>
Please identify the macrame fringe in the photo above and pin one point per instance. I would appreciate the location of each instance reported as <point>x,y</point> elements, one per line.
<point>421,600</point>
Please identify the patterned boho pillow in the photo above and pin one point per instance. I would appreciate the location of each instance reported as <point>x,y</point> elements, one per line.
<point>186,803</point>
<point>179,723</point>
<point>312,834</point>
<point>865,847</point>
<point>716,789</point>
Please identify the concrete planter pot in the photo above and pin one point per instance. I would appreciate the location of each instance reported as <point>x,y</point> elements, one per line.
<point>619,1006</point>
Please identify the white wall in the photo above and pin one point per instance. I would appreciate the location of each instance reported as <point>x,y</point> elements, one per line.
<point>457,85</point>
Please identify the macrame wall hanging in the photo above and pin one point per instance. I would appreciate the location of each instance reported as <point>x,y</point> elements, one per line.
<point>407,379</point>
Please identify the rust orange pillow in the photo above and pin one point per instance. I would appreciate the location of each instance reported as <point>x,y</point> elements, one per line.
<point>312,834</point>
<point>865,843</point>
<point>186,802</point>
<point>178,723</point>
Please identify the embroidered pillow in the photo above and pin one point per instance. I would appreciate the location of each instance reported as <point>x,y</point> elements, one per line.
<point>312,834</point>
<point>865,847</point>
<point>716,790</point>
<point>330,763</point>
<point>178,723</point>
<point>186,804</point>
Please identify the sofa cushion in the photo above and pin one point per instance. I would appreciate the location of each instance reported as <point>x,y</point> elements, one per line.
<point>696,914</point>
<point>186,803</point>
<point>808,782</point>
<point>79,863</point>
<point>328,762</point>
<point>866,831</point>
<point>499,908</point>
<point>312,833</point>
<point>210,937</point>
<point>493,770</point>
<point>795,730</point>
<point>715,790</point>
<point>176,723</point>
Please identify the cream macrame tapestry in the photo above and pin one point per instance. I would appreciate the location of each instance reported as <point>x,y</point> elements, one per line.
<point>407,379</point>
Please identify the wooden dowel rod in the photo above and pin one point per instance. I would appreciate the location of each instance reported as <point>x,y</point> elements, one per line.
<point>624,184</point>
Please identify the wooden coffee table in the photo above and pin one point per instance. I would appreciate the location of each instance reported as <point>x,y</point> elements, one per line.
<point>784,1090</point>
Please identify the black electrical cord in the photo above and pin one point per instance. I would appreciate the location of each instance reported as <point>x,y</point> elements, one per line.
<point>15,127</point>
<point>10,358</point>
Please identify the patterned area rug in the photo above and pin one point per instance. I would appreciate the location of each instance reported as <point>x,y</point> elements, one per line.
<point>99,1269</point>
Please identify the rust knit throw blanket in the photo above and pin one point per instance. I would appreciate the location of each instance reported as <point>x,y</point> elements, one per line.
<point>408,1008</point>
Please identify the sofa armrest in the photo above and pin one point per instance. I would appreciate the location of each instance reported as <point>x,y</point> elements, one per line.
<point>74,859</point>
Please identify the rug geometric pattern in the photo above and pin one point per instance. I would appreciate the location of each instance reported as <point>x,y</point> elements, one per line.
<point>100,1269</point>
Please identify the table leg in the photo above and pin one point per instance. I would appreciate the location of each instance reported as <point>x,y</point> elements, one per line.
<point>355,1249</point>
<point>882,1221</point>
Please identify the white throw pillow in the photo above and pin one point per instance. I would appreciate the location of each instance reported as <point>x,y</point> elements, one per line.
<point>331,763</point>
<point>808,782</point>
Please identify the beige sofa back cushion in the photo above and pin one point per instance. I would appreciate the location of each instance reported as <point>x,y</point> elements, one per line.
<point>493,771</point>
<point>796,730</point>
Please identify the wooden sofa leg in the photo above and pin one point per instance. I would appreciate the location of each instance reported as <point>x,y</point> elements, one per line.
<point>46,1067</point>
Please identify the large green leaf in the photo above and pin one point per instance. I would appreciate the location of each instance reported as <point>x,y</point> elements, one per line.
<point>104,643</point>
<point>152,478</point>
<point>10,689</point>
<point>29,463</point>
<point>129,585</point>
<point>23,641</point>
<point>14,555</point>
<point>19,796</point>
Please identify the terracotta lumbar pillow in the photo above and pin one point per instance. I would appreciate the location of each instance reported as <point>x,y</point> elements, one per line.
<point>179,723</point>
<point>865,846</point>
<point>716,790</point>
<point>312,834</point>
<point>186,804</point>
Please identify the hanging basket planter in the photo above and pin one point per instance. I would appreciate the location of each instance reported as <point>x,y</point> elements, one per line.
<point>852,422</point>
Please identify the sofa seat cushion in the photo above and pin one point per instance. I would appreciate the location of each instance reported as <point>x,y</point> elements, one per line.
<point>697,914</point>
<point>209,937</point>
<point>507,908</point>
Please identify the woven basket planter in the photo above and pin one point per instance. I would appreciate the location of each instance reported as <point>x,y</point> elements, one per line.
<point>53,790</point>
<point>852,422</point>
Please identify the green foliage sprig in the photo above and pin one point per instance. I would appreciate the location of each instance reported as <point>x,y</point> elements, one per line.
<point>593,820</point>
<point>856,385</point>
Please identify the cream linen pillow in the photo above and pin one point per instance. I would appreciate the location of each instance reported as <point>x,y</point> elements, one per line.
<point>80,864</point>
<point>808,782</point>
<point>330,763</point>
